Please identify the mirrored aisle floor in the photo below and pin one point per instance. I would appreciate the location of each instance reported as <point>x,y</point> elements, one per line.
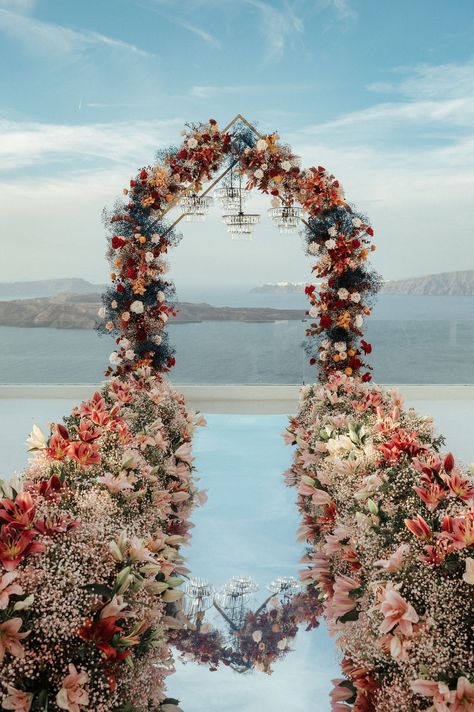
<point>247,527</point>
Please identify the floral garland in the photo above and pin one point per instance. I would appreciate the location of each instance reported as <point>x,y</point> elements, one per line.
<point>389,523</point>
<point>140,302</point>
<point>264,638</point>
<point>89,553</point>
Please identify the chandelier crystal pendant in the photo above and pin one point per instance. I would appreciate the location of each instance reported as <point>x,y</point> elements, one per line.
<point>239,224</point>
<point>286,217</point>
<point>195,207</point>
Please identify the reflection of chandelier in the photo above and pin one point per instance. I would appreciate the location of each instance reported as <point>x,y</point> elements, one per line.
<point>286,217</point>
<point>233,597</point>
<point>240,224</point>
<point>199,596</point>
<point>195,207</point>
<point>285,585</point>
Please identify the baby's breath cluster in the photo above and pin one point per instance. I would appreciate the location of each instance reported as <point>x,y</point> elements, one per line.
<point>90,562</point>
<point>389,523</point>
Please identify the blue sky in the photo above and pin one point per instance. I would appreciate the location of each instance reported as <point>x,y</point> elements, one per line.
<point>381,93</point>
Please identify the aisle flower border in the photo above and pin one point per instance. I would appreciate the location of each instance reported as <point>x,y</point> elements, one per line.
<point>389,523</point>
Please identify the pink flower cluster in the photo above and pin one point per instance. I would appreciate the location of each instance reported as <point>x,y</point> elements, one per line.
<point>389,523</point>
<point>90,559</point>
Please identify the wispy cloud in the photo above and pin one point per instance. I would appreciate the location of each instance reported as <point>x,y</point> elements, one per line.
<point>342,8</point>
<point>277,25</point>
<point>431,81</point>
<point>37,144</point>
<point>51,38</point>
<point>213,91</point>
<point>157,7</point>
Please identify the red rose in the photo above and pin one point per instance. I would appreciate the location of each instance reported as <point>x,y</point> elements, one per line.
<point>367,348</point>
<point>370,231</point>
<point>312,361</point>
<point>118,242</point>
<point>309,289</point>
<point>355,244</point>
<point>325,322</point>
<point>275,192</point>
<point>143,174</point>
<point>366,377</point>
<point>131,273</point>
<point>132,184</point>
<point>120,288</point>
<point>355,363</point>
<point>213,122</point>
<point>183,153</point>
<point>171,361</point>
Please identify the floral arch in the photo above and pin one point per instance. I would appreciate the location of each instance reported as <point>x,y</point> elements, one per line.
<point>140,300</point>
<point>90,539</point>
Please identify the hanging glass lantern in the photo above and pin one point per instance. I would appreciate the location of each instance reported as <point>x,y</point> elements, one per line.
<point>286,217</point>
<point>195,207</point>
<point>240,225</point>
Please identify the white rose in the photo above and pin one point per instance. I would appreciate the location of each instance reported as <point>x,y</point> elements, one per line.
<point>157,339</point>
<point>115,359</point>
<point>130,354</point>
<point>258,173</point>
<point>355,297</point>
<point>192,142</point>
<point>257,636</point>
<point>326,343</point>
<point>155,238</point>
<point>286,165</point>
<point>314,312</point>
<point>342,293</point>
<point>101,312</point>
<point>342,355</point>
<point>332,231</point>
<point>357,222</point>
<point>164,317</point>
<point>281,645</point>
<point>149,257</point>
<point>358,321</point>
<point>137,307</point>
<point>262,145</point>
<point>125,316</point>
<point>330,244</point>
<point>323,356</point>
<point>313,248</point>
<point>160,296</point>
<point>340,346</point>
<point>124,343</point>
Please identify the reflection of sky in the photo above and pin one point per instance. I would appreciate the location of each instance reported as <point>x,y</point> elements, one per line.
<point>247,527</point>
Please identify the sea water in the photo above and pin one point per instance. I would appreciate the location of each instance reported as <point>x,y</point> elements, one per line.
<point>415,340</point>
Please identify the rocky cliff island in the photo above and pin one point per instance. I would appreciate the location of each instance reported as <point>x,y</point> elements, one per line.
<point>80,312</point>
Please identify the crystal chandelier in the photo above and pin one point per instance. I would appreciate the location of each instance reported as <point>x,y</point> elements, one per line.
<point>286,217</point>
<point>240,224</point>
<point>230,196</point>
<point>195,207</point>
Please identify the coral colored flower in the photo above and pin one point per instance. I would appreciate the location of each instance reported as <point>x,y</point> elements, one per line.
<point>57,447</point>
<point>17,700</point>
<point>10,638</point>
<point>341,693</point>
<point>15,545</point>
<point>72,695</point>
<point>460,487</point>
<point>397,612</point>
<point>87,431</point>
<point>431,495</point>
<point>8,588</point>
<point>437,691</point>
<point>464,696</point>
<point>344,601</point>
<point>395,560</point>
<point>18,513</point>
<point>419,528</point>
<point>84,453</point>
<point>462,532</point>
